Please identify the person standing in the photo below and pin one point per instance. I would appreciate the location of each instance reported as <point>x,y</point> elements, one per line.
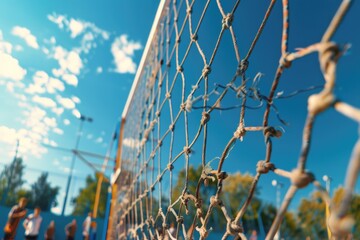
<point>32,225</point>
<point>93,230</point>
<point>16,213</point>
<point>50,231</point>
<point>86,226</point>
<point>70,230</point>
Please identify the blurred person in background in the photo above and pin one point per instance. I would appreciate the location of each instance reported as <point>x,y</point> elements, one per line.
<point>16,213</point>
<point>32,224</point>
<point>50,231</point>
<point>70,230</point>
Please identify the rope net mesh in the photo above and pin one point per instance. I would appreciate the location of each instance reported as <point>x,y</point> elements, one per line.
<point>189,86</point>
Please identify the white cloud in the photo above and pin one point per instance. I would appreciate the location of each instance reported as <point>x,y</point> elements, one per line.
<point>25,34</point>
<point>55,84</point>
<point>68,61</point>
<point>123,51</point>
<point>66,122</point>
<point>28,140</point>
<point>76,113</point>
<point>74,62</point>
<point>52,40</point>
<point>58,131</point>
<point>75,99</point>
<point>8,135</point>
<point>18,48</point>
<point>44,101</point>
<point>5,47</point>
<point>45,50</point>
<point>34,88</point>
<point>99,140</point>
<point>57,19</point>
<point>58,111</point>
<point>42,83</point>
<point>21,97</point>
<point>99,70</point>
<point>56,210</point>
<point>66,102</point>
<point>76,27</point>
<point>131,142</point>
<point>51,122</point>
<point>10,87</point>
<point>10,68</point>
<point>70,79</point>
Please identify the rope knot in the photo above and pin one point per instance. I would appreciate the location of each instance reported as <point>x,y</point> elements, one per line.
<point>215,201</point>
<point>180,68</point>
<point>159,178</point>
<point>199,213</point>
<point>234,228</point>
<point>187,150</point>
<point>189,10</point>
<point>317,103</point>
<point>240,133</point>
<point>206,71</point>
<point>205,118</point>
<point>157,113</point>
<point>168,95</point>
<point>272,132</point>
<point>180,219</point>
<point>203,232</point>
<point>160,143</point>
<point>172,127</point>
<point>170,166</point>
<point>227,21</point>
<point>222,175</point>
<point>301,179</point>
<point>244,64</point>
<point>194,37</point>
<point>284,62</point>
<point>328,52</point>
<point>198,203</point>
<point>184,201</point>
<point>183,107</point>
<point>178,39</point>
<point>264,167</point>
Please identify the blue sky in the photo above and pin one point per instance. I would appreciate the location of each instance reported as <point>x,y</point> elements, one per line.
<point>60,59</point>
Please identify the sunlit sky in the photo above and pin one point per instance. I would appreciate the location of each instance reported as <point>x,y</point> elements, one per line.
<point>60,59</point>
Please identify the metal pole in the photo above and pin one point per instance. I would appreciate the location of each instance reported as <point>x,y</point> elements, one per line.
<point>79,133</point>
<point>278,186</point>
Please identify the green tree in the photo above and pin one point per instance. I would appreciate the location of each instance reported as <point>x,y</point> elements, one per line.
<point>42,194</point>
<point>11,182</point>
<point>204,192</point>
<point>235,192</point>
<point>311,214</point>
<point>84,202</point>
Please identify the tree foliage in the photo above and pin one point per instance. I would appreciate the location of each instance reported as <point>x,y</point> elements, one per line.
<point>311,214</point>
<point>11,182</point>
<point>42,194</point>
<point>84,202</point>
